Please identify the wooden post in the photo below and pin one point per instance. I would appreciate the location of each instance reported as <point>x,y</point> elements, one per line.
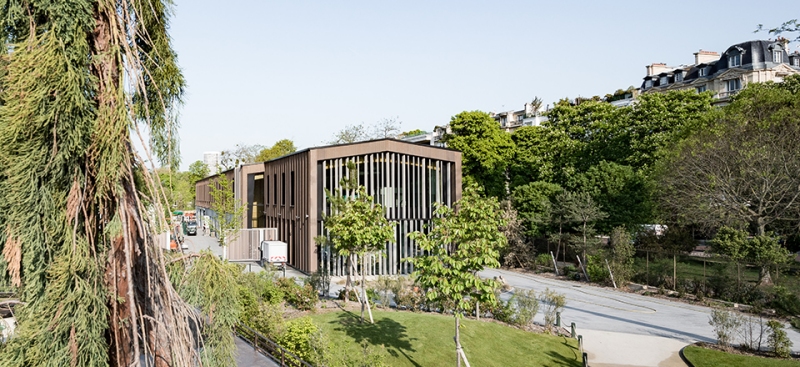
<point>674,271</point>
<point>477,310</point>
<point>582,268</point>
<point>611,274</point>
<point>647,268</point>
<point>458,345</point>
<point>555,265</point>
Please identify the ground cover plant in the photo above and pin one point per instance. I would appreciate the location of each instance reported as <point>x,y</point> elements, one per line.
<point>424,339</point>
<point>703,357</point>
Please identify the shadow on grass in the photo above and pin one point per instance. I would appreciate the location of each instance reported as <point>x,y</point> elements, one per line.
<point>386,332</point>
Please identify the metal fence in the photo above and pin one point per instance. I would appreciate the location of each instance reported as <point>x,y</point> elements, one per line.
<point>268,347</point>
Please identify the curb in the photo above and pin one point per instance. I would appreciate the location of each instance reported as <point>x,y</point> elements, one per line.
<point>683,357</point>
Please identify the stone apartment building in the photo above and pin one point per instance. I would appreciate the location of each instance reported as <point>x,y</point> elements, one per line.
<point>727,73</point>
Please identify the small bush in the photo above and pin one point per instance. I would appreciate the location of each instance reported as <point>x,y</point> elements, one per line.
<point>525,307</point>
<point>544,262</point>
<point>320,282</point>
<point>385,287</point>
<point>725,323</point>
<point>353,296</point>
<point>795,322</point>
<point>297,337</point>
<point>504,311</point>
<point>785,302</point>
<point>751,331</point>
<point>779,342</point>
<point>553,303</point>
<point>268,320</point>
<point>408,295</point>
<point>597,271</point>
<point>303,297</point>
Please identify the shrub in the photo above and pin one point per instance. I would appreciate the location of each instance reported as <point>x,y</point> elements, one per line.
<point>303,297</point>
<point>751,331</point>
<point>297,337</point>
<point>504,311</point>
<point>795,322</point>
<point>596,269</point>
<point>268,320</point>
<point>320,282</point>
<point>724,323</point>
<point>353,296</point>
<point>525,307</point>
<point>778,341</point>
<point>408,295</point>
<point>543,262</point>
<point>785,302</point>
<point>385,287</point>
<point>554,303</point>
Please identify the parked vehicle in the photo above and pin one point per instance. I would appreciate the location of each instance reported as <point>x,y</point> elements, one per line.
<point>191,228</point>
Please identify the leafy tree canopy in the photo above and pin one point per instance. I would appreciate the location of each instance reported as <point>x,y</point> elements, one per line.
<point>486,149</point>
<point>744,170</point>
<point>279,149</point>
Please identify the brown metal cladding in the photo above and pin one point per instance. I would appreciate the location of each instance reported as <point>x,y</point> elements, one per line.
<point>298,224</point>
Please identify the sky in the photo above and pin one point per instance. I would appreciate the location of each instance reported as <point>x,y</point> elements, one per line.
<point>261,71</point>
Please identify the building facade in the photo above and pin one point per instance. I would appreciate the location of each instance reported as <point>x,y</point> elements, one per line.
<point>288,193</point>
<point>726,74</point>
<point>211,159</point>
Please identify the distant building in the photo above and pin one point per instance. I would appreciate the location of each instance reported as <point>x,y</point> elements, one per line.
<point>288,193</point>
<point>530,115</point>
<point>211,159</point>
<point>726,74</point>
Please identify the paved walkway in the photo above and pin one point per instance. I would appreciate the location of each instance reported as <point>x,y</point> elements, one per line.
<point>625,329</point>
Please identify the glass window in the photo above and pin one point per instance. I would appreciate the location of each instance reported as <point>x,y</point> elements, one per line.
<point>678,77</point>
<point>734,60</point>
<point>777,57</point>
<point>291,188</point>
<point>701,72</point>
<point>664,80</point>
<point>701,89</point>
<point>796,61</point>
<point>648,83</point>
<point>734,85</point>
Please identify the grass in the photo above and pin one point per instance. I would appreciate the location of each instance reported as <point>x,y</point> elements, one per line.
<point>702,357</point>
<point>420,339</point>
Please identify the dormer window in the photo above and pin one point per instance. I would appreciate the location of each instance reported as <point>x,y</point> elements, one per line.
<point>664,80</point>
<point>678,77</point>
<point>796,61</point>
<point>734,60</point>
<point>777,57</point>
<point>648,84</point>
<point>702,71</point>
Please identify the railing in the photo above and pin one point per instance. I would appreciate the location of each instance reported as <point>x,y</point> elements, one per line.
<point>268,347</point>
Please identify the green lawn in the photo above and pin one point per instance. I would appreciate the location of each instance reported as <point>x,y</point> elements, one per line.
<point>418,339</point>
<point>702,357</point>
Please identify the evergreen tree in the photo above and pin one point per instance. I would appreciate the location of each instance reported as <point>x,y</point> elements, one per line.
<point>80,77</point>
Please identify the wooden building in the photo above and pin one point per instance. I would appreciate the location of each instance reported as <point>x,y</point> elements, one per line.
<point>288,193</point>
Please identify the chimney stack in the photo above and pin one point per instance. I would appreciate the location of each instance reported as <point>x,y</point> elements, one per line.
<point>656,68</point>
<point>703,57</point>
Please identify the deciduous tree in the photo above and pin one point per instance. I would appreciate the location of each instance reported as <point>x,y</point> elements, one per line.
<point>486,150</point>
<point>279,149</point>
<point>745,169</point>
<point>229,211</point>
<point>458,245</point>
<point>356,226</point>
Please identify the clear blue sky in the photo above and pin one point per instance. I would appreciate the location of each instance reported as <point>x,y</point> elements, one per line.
<point>260,71</point>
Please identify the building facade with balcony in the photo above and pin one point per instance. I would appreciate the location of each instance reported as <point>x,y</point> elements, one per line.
<point>530,115</point>
<point>288,193</point>
<point>727,73</point>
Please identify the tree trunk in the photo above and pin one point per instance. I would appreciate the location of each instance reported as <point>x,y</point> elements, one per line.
<point>348,283</point>
<point>364,298</point>
<point>764,277</point>
<point>674,271</point>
